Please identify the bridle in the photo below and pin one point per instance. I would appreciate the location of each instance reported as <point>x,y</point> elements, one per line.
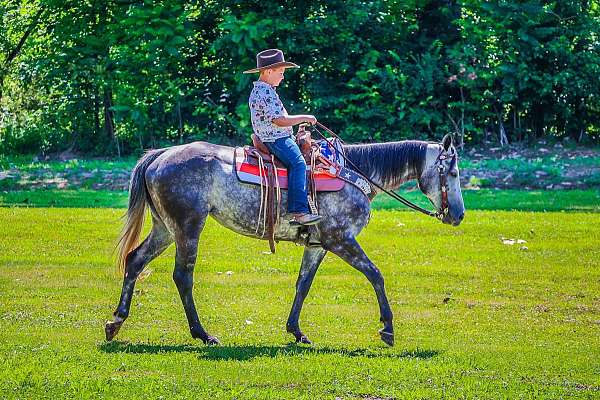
<point>442,174</point>
<point>443,178</point>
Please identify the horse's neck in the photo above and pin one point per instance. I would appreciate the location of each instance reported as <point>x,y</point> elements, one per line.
<point>389,164</point>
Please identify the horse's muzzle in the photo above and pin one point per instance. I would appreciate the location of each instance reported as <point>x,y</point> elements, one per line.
<point>456,221</point>
<point>450,219</point>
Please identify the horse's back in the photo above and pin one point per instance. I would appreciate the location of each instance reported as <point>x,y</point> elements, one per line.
<point>203,151</point>
<point>187,159</point>
<point>185,173</point>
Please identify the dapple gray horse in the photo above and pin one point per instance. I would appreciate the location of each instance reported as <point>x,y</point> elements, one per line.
<point>183,185</point>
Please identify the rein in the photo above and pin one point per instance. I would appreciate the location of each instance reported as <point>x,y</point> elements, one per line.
<point>440,214</point>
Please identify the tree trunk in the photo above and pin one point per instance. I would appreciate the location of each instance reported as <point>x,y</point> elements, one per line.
<point>462,120</point>
<point>109,127</point>
<point>580,123</point>
<point>501,131</point>
<point>108,117</point>
<point>140,141</point>
<point>96,112</point>
<point>180,121</point>
<point>521,133</point>
<point>2,76</point>
<point>515,130</point>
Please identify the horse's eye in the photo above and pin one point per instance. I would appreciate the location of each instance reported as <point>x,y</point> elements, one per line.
<point>453,174</point>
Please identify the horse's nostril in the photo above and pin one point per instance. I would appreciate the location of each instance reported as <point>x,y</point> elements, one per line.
<point>461,216</point>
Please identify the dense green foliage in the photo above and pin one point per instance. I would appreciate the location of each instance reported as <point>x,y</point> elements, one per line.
<point>114,77</point>
<point>474,318</point>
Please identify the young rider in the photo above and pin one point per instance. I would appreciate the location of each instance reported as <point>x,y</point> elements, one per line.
<point>273,126</point>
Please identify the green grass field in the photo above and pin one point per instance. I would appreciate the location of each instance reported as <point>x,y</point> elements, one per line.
<point>474,318</point>
<point>484,199</point>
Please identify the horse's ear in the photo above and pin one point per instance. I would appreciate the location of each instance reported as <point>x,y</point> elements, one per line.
<point>447,142</point>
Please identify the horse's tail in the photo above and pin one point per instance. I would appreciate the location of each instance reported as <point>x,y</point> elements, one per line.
<point>138,200</point>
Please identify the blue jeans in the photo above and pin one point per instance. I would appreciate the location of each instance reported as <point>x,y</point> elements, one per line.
<point>288,152</point>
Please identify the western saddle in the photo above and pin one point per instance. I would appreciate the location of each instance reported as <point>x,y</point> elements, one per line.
<point>268,168</point>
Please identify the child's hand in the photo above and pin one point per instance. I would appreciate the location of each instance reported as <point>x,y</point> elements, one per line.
<point>311,119</point>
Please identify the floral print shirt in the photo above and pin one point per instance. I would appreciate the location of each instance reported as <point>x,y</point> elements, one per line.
<point>265,106</point>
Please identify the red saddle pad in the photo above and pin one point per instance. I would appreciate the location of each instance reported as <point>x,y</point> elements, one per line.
<point>247,170</point>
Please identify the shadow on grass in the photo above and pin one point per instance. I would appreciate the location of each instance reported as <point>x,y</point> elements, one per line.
<point>247,352</point>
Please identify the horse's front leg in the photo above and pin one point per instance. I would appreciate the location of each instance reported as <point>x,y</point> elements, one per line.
<point>310,263</point>
<point>350,251</point>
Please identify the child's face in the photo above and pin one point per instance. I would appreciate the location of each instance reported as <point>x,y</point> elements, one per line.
<point>275,75</point>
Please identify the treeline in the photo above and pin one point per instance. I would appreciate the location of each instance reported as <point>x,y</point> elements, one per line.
<point>112,77</point>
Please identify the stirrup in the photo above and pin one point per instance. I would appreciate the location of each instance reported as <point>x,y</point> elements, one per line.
<point>305,219</point>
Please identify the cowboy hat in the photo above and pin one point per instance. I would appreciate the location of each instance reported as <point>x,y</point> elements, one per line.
<point>271,58</point>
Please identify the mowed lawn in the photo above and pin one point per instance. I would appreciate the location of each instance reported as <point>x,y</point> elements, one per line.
<point>474,317</point>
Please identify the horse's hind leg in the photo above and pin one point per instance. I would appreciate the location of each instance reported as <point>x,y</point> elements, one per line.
<point>156,242</point>
<point>310,263</point>
<point>350,251</point>
<point>186,241</point>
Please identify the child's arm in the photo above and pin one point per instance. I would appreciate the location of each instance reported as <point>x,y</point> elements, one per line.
<point>291,120</point>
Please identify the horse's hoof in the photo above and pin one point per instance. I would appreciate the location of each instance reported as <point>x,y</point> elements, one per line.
<point>387,337</point>
<point>111,329</point>
<point>303,339</point>
<point>211,341</point>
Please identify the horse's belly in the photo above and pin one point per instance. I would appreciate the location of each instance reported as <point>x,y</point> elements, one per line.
<point>235,205</point>
<point>254,228</point>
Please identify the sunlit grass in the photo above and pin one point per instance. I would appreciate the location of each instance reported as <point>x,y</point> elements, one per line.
<point>474,317</point>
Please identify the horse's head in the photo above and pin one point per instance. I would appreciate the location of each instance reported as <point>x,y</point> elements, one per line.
<point>440,182</point>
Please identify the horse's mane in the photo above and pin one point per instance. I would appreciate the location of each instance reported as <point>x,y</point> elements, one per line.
<point>389,162</point>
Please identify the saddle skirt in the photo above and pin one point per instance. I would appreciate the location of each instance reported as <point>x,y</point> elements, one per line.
<point>248,170</point>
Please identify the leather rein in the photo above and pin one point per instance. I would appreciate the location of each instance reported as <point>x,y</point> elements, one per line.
<point>443,178</point>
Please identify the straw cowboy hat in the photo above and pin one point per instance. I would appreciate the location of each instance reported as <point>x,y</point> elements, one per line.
<point>271,58</point>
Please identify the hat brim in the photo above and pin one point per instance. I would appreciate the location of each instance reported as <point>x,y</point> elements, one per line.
<point>285,64</point>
